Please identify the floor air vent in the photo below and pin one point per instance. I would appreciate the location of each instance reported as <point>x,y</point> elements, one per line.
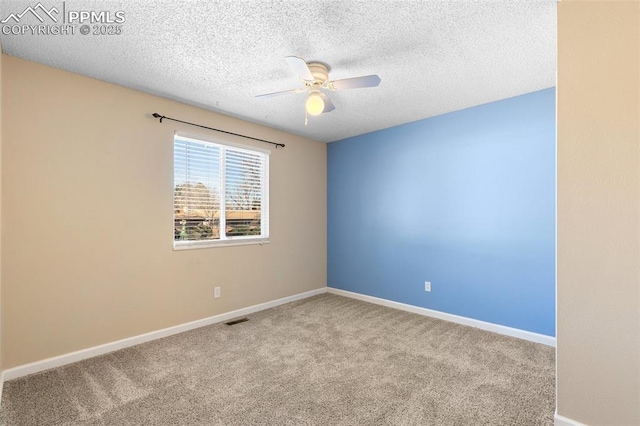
<point>237,321</point>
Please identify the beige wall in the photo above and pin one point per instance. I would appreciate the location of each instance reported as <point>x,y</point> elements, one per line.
<point>598,287</point>
<point>87,199</point>
<point>1,57</point>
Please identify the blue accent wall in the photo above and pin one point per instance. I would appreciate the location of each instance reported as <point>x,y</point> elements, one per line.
<point>465,200</point>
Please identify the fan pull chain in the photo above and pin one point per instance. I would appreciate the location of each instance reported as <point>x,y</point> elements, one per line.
<point>305,117</point>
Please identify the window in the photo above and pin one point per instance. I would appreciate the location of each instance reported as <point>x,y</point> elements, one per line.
<point>220,194</point>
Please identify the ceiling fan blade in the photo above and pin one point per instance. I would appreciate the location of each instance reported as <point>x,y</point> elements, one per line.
<point>284,92</point>
<point>354,83</point>
<point>300,67</point>
<point>328,105</point>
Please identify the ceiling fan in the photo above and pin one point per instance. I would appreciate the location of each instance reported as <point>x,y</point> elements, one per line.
<point>315,77</point>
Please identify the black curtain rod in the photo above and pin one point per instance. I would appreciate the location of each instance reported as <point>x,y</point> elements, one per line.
<point>163,117</point>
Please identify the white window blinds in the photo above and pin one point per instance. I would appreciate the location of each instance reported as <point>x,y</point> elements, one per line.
<point>220,194</point>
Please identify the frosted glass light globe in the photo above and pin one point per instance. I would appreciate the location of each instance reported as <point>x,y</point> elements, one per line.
<point>315,104</point>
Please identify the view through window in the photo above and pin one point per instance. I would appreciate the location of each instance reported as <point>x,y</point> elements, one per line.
<point>220,193</point>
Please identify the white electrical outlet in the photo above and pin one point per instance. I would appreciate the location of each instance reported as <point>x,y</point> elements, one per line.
<point>216,292</point>
<point>427,286</point>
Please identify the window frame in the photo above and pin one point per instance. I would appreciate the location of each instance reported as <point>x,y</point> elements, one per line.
<point>224,240</point>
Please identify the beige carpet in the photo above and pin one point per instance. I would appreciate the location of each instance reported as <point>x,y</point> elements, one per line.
<point>327,360</point>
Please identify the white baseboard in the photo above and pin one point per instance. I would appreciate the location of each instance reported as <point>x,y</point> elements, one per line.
<point>500,329</point>
<point>564,421</point>
<point>1,384</point>
<point>58,361</point>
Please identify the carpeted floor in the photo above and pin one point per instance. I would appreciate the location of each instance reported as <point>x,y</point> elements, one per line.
<point>326,360</point>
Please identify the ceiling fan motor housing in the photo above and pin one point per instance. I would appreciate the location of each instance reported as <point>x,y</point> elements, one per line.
<point>320,73</point>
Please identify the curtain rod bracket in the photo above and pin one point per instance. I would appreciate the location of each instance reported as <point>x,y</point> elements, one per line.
<point>161,117</point>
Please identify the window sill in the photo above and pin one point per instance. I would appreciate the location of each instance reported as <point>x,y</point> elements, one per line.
<point>217,244</point>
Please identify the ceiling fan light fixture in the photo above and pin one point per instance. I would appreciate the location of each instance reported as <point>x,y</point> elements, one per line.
<point>315,76</point>
<point>315,103</point>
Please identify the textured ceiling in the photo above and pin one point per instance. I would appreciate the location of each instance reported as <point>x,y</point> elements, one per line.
<point>433,56</point>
